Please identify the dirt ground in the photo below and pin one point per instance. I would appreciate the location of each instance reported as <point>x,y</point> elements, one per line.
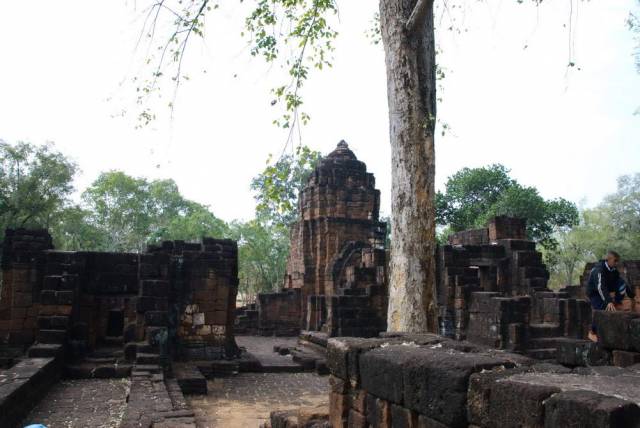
<point>245,400</point>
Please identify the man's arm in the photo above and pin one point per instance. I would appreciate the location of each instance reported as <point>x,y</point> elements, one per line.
<point>623,290</point>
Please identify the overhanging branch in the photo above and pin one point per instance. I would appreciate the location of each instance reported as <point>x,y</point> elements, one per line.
<point>418,15</point>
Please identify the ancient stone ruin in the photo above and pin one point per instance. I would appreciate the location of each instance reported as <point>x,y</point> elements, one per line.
<point>336,273</point>
<point>509,351</point>
<point>113,314</point>
<point>492,289</point>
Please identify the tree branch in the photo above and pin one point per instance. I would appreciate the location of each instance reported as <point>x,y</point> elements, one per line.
<point>418,15</point>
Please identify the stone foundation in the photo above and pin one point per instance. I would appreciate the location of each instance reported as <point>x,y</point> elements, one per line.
<point>430,381</point>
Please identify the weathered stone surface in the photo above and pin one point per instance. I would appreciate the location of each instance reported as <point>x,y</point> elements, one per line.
<point>518,403</point>
<point>337,257</point>
<point>634,332</point>
<point>430,381</point>
<point>479,394</point>
<point>114,298</point>
<point>437,384</point>
<point>381,371</point>
<point>577,352</point>
<point>343,355</point>
<point>614,329</point>
<point>587,409</point>
<point>401,417</point>
<point>625,358</point>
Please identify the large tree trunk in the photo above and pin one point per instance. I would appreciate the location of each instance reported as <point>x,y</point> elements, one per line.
<point>408,37</point>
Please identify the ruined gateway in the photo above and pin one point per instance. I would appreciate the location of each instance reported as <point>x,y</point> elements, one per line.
<point>509,351</point>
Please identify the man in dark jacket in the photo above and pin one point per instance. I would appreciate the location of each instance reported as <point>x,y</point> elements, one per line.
<point>606,288</point>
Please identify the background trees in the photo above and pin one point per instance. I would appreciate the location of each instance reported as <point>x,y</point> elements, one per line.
<point>118,212</point>
<point>473,195</point>
<point>613,224</point>
<point>277,187</point>
<point>35,184</point>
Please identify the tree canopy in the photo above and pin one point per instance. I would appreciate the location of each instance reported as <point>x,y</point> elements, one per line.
<point>277,187</point>
<point>612,224</point>
<point>35,183</point>
<point>130,213</point>
<point>473,195</point>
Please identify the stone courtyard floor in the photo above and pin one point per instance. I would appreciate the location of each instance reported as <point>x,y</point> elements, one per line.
<point>82,403</point>
<point>245,400</point>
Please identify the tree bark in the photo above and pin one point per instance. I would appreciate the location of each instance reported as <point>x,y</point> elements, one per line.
<point>411,90</point>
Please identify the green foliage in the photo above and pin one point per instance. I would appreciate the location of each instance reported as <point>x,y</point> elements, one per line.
<point>473,195</point>
<point>613,224</point>
<point>301,28</point>
<point>469,194</point>
<point>131,213</point>
<point>35,183</point>
<point>263,249</point>
<point>71,229</point>
<point>278,185</point>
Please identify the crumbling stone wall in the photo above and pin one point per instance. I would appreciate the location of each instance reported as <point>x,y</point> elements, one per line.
<point>23,261</point>
<point>492,289</point>
<point>178,296</point>
<point>337,246</point>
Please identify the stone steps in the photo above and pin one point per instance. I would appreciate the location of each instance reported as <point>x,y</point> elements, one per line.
<point>88,370</point>
<point>51,336</point>
<point>147,358</point>
<point>113,340</point>
<point>140,369</point>
<point>544,330</point>
<point>45,350</point>
<point>542,354</point>
<point>60,322</point>
<point>190,379</point>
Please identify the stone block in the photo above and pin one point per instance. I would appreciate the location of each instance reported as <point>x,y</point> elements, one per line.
<point>518,404</point>
<point>53,322</point>
<point>156,318</point>
<point>436,383</point>
<point>51,336</point>
<point>587,409</point>
<point>614,329</point>
<point>634,332</point>
<point>337,385</point>
<point>427,422</point>
<point>51,282</point>
<point>381,371</point>
<point>48,297</point>
<point>378,412</point>
<point>338,410</point>
<point>401,417</point>
<point>356,420</point>
<point>479,394</point>
<point>145,303</point>
<point>577,352</point>
<point>64,297</point>
<point>625,358</point>
<point>343,353</point>
<point>155,288</point>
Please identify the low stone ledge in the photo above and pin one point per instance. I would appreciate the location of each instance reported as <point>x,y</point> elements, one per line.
<point>23,385</point>
<point>393,381</point>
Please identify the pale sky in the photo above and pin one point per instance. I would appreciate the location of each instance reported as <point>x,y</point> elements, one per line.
<point>568,132</point>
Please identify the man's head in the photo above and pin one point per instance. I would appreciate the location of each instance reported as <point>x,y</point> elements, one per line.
<point>612,258</point>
